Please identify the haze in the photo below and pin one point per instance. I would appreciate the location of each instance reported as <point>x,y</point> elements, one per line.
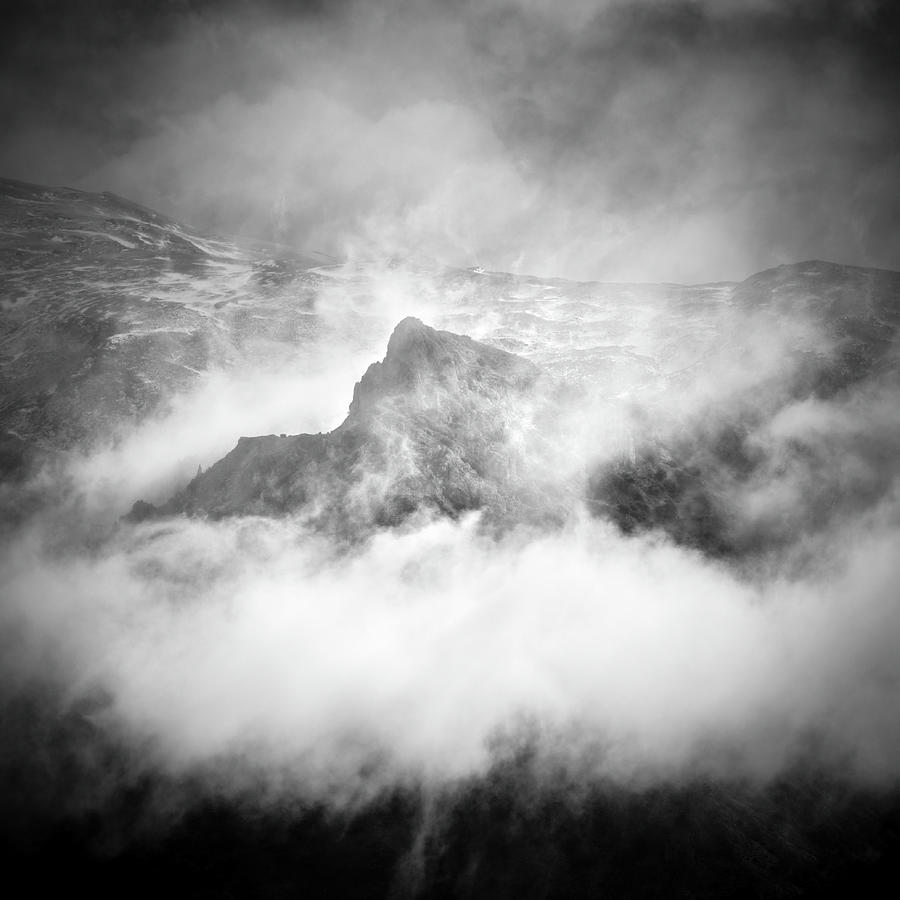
<point>653,140</point>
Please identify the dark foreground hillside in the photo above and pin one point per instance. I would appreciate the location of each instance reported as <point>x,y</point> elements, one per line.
<point>515,833</point>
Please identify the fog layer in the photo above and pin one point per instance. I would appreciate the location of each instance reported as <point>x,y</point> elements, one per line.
<point>257,645</point>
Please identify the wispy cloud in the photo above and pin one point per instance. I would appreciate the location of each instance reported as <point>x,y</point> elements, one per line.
<point>618,141</point>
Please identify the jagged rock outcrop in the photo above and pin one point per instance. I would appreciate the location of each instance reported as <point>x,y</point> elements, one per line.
<point>443,423</point>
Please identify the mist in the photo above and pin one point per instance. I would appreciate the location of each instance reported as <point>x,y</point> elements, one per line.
<point>644,141</point>
<point>250,640</point>
<point>262,649</point>
<point>403,507</point>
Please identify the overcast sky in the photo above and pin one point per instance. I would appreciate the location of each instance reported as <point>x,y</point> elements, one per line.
<point>645,140</point>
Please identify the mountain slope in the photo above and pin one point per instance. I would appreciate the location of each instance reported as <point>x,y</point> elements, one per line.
<point>108,309</point>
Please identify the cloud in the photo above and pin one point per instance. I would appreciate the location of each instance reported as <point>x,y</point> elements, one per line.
<point>656,141</point>
<point>641,141</point>
<point>250,642</point>
<point>253,652</point>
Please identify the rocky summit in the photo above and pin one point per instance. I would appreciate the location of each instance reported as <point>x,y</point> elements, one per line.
<point>442,423</point>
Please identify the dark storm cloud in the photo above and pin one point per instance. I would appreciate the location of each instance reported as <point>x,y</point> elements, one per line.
<point>641,140</point>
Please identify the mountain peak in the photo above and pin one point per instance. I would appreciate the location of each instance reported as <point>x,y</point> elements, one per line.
<point>409,334</point>
<point>407,327</point>
<point>431,420</point>
<point>421,361</point>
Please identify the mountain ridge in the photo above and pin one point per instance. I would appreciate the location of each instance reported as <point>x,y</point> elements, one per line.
<point>109,310</point>
<point>109,313</point>
<point>428,427</point>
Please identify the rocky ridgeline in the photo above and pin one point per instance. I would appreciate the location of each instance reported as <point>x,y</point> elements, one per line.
<point>443,423</point>
<point>446,424</point>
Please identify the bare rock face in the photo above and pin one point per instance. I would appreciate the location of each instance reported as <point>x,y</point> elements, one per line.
<point>423,366</point>
<point>442,423</point>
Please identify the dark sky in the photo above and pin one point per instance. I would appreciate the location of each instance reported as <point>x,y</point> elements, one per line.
<point>645,140</point>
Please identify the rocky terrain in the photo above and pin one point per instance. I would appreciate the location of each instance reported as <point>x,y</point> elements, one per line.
<point>108,309</point>
<point>443,423</point>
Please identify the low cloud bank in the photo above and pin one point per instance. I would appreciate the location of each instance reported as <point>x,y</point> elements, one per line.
<point>249,644</point>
